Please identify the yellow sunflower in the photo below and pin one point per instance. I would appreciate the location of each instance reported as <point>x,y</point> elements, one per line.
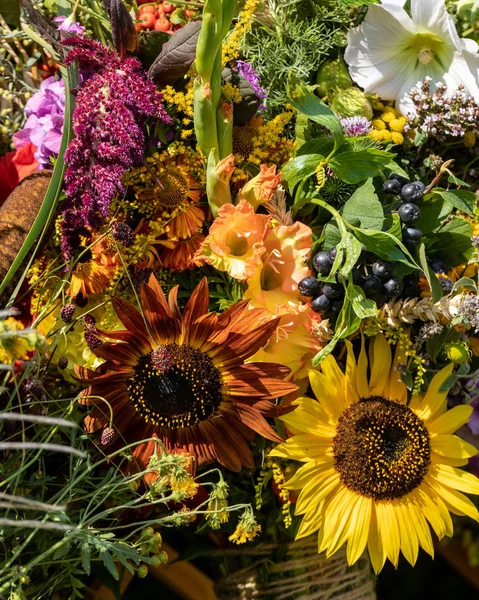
<point>378,472</point>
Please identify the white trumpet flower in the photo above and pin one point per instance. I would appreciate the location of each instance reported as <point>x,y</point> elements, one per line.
<point>390,52</point>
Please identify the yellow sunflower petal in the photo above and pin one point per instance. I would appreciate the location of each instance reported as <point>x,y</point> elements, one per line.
<point>409,539</point>
<point>350,379</point>
<point>423,496</point>
<point>375,547</point>
<point>434,402</point>
<point>438,459</point>
<point>456,502</point>
<point>302,476</point>
<point>455,478</point>
<point>315,490</point>
<point>359,529</point>
<point>421,527</point>
<point>309,422</point>
<point>303,447</point>
<point>450,421</point>
<point>395,388</point>
<point>336,519</point>
<point>362,372</point>
<point>331,399</point>
<point>389,530</point>
<point>335,378</point>
<point>310,523</point>
<point>380,363</point>
<point>452,446</point>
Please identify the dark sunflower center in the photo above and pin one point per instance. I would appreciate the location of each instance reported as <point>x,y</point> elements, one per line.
<point>174,190</point>
<point>381,449</point>
<point>175,386</point>
<point>243,138</point>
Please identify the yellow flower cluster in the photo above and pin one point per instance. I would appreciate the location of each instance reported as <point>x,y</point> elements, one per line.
<point>246,530</point>
<point>388,125</point>
<point>183,101</point>
<point>268,145</point>
<point>231,46</point>
<point>13,344</point>
<point>280,479</point>
<point>231,93</point>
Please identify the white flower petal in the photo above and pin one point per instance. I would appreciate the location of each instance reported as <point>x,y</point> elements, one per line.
<point>464,70</point>
<point>432,16</point>
<point>469,45</point>
<point>383,34</point>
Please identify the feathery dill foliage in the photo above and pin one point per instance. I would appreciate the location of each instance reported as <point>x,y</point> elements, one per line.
<point>294,36</point>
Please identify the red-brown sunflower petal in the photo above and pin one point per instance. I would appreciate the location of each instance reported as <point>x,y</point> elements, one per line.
<point>220,444</point>
<point>95,421</point>
<point>258,380</point>
<point>164,327</point>
<point>173,303</point>
<point>251,417</point>
<point>199,332</point>
<point>237,442</point>
<point>196,306</point>
<point>138,343</point>
<point>121,354</point>
<point>156,297</point>
<point>131,317</point>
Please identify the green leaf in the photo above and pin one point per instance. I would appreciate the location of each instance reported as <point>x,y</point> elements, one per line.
<point>365,206</point>
<point>362,306</point>
<point>453,241</point>
<point>382,244</point>
<point>448,384</point>
<point>456,181</point>
<point>349,248</point>
<point>435,343</point>
<point>332,235</point>
<point>465,283</point>
<point>10,11</point>
<point>433,212</point>
<point>300,168</point>
<point>354,167</point>
<point>433,281</point>
<point>460,199</point>
<point>307,103</point>
<point>109,563</point>
<point>85,558</point>
<point>319,146</point>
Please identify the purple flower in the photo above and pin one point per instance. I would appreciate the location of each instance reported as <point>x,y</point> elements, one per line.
<point>472,390</point>
<point>68,24</point>
<point>246,70</point>
<point>44,124</point>
<point>108,122</point>
<point>353,126</point>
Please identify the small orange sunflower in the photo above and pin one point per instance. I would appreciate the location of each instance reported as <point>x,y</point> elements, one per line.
<point>183,378</point>
<point>173,194</point>
<point>179,255</point>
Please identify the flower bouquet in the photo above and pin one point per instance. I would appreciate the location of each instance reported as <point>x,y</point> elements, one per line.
<point>239,289</point>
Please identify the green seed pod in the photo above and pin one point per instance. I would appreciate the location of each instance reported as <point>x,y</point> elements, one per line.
<point>332,76</point>
<point>351,102</point>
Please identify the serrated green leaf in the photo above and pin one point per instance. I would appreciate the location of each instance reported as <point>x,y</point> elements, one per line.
<point>460,199</point>
<point>107,560</point>
<point>307,103</point>
<point>382,244</point>
<point>300,168</point>
<point>436,289</point>
<point>354,167</point>
<point>85,558</point>
<point>364,205</point>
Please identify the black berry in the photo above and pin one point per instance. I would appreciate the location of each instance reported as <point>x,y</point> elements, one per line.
<point>438,266</point>
<point>382,269</point>
<point>332,254</point>
<point>411,287</point>
<point>358,277</point>
<point>320,304</point>
<point>333,290</point>
<point>412,192</point>
<point>409,213</point>
<point>395,177</point>
<point>336,306</point>
<point>372,286</point>
<point>392,186</point>
<point>411,236</point>
<point>309,286</point>
<point>322,263</point>
<point>394,287</point>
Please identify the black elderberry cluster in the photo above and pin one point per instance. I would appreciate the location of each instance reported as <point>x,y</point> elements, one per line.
<point>373,274</point>
<point>410,193</point>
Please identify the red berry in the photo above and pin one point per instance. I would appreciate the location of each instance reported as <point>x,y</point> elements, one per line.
<point>162,24</point>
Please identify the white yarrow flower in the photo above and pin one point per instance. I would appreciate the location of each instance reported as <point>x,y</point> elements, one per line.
<point>390,52</point>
